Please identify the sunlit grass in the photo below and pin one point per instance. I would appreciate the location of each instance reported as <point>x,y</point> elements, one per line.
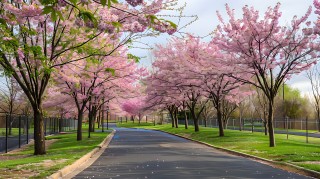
<point>64,151</point>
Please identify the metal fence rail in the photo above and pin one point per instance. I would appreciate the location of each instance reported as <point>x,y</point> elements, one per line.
<point>291,124</point>
<point>17,130</point>
<point>299,127</point>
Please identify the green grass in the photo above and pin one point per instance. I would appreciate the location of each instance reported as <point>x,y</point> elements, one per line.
<point>14,132</point>
<point>279,129</point>
<point>64,151</point>
<point>295,150</point>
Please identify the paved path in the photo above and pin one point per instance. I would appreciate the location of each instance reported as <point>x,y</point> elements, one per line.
<point>137,153</point>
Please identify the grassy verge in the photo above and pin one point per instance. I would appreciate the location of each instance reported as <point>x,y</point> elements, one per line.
<point>62,150</point>
<point>248,127</point>
<point>295,150</point>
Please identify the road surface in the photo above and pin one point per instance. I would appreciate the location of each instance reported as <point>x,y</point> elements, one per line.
<point>138,153</point>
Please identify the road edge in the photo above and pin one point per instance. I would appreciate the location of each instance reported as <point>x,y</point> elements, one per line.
<point>83,161</point>
<point>281,165</point>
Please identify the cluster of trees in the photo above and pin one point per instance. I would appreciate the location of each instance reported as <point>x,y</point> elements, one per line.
<point>77,49</point>
<point>247,56</point>
<point>70,57</point>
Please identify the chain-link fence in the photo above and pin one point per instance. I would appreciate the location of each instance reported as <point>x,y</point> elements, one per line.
<point>17,130</point>
<point>301,127</point>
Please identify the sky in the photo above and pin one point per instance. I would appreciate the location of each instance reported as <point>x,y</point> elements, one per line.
<point>207,22</point>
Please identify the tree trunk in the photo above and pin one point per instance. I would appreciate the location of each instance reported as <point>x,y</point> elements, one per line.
<point>60,124</point>
<point>186,120</point>
<point>79,129</point>
<point>205,122</point>
<point>172,118</point>
<point>219,116</point>
<point>102,118</point>
<point>196,125</point>
<point>175,118</point>
<point>265,128</point>
<point>240,123</point>
<point>94,117</point>
<point>195,120</point>
<point>225,122</point>
<point>176,121</point>
<point>139,118</point>
<point>99,119</point>
<point>39,140</point>
<point>10,123</point>
<point>272,142</point>
<point>90,116</point>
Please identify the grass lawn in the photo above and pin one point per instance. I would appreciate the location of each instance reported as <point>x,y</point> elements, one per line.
<point>63,150</point>
<point>14,131</point>
<point>248,127</point>
<point>295,150</point>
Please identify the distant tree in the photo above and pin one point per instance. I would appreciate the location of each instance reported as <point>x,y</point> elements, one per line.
<point>10,95</point>
<point>314,77</point>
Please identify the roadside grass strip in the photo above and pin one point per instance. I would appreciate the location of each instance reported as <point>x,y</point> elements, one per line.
<point>62,150</point>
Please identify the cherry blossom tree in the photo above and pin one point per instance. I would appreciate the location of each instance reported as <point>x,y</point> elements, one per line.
<point>175,77</point>
<point>35,34</point>
<point>92,83</point>
<point>58,104</point>
<point>135,107</point>
<point>195,72</point>
<point>267,51</point>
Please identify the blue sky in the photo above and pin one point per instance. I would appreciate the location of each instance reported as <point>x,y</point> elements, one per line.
<point>206,11</point>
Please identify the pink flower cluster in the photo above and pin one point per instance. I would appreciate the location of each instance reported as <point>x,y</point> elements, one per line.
<point>134,3</point>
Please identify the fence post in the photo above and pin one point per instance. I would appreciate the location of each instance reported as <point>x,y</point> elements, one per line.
<point>307,135</point>
<point>6,133</point>
<point>287,120</point>
<point>27,129</point>
<point>19,131</point>
<point>233,124</point>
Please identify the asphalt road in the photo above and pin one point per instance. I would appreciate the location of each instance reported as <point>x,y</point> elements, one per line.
<point>13,142</point>
<point>137,153</point>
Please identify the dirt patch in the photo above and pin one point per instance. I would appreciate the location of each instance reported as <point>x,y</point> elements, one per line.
<point>12,157</point>
<point>310,162</point>
<point>44,164</point>
<point>9,173</point>
<point>50,142</point>
<point>186,135</point>
<point>24,147</point>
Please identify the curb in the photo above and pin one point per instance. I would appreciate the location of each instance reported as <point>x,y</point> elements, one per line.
<point>75,165</point>
<point>281,165</point>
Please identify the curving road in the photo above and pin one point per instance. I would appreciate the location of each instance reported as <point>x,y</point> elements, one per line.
<point>138,153</point>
